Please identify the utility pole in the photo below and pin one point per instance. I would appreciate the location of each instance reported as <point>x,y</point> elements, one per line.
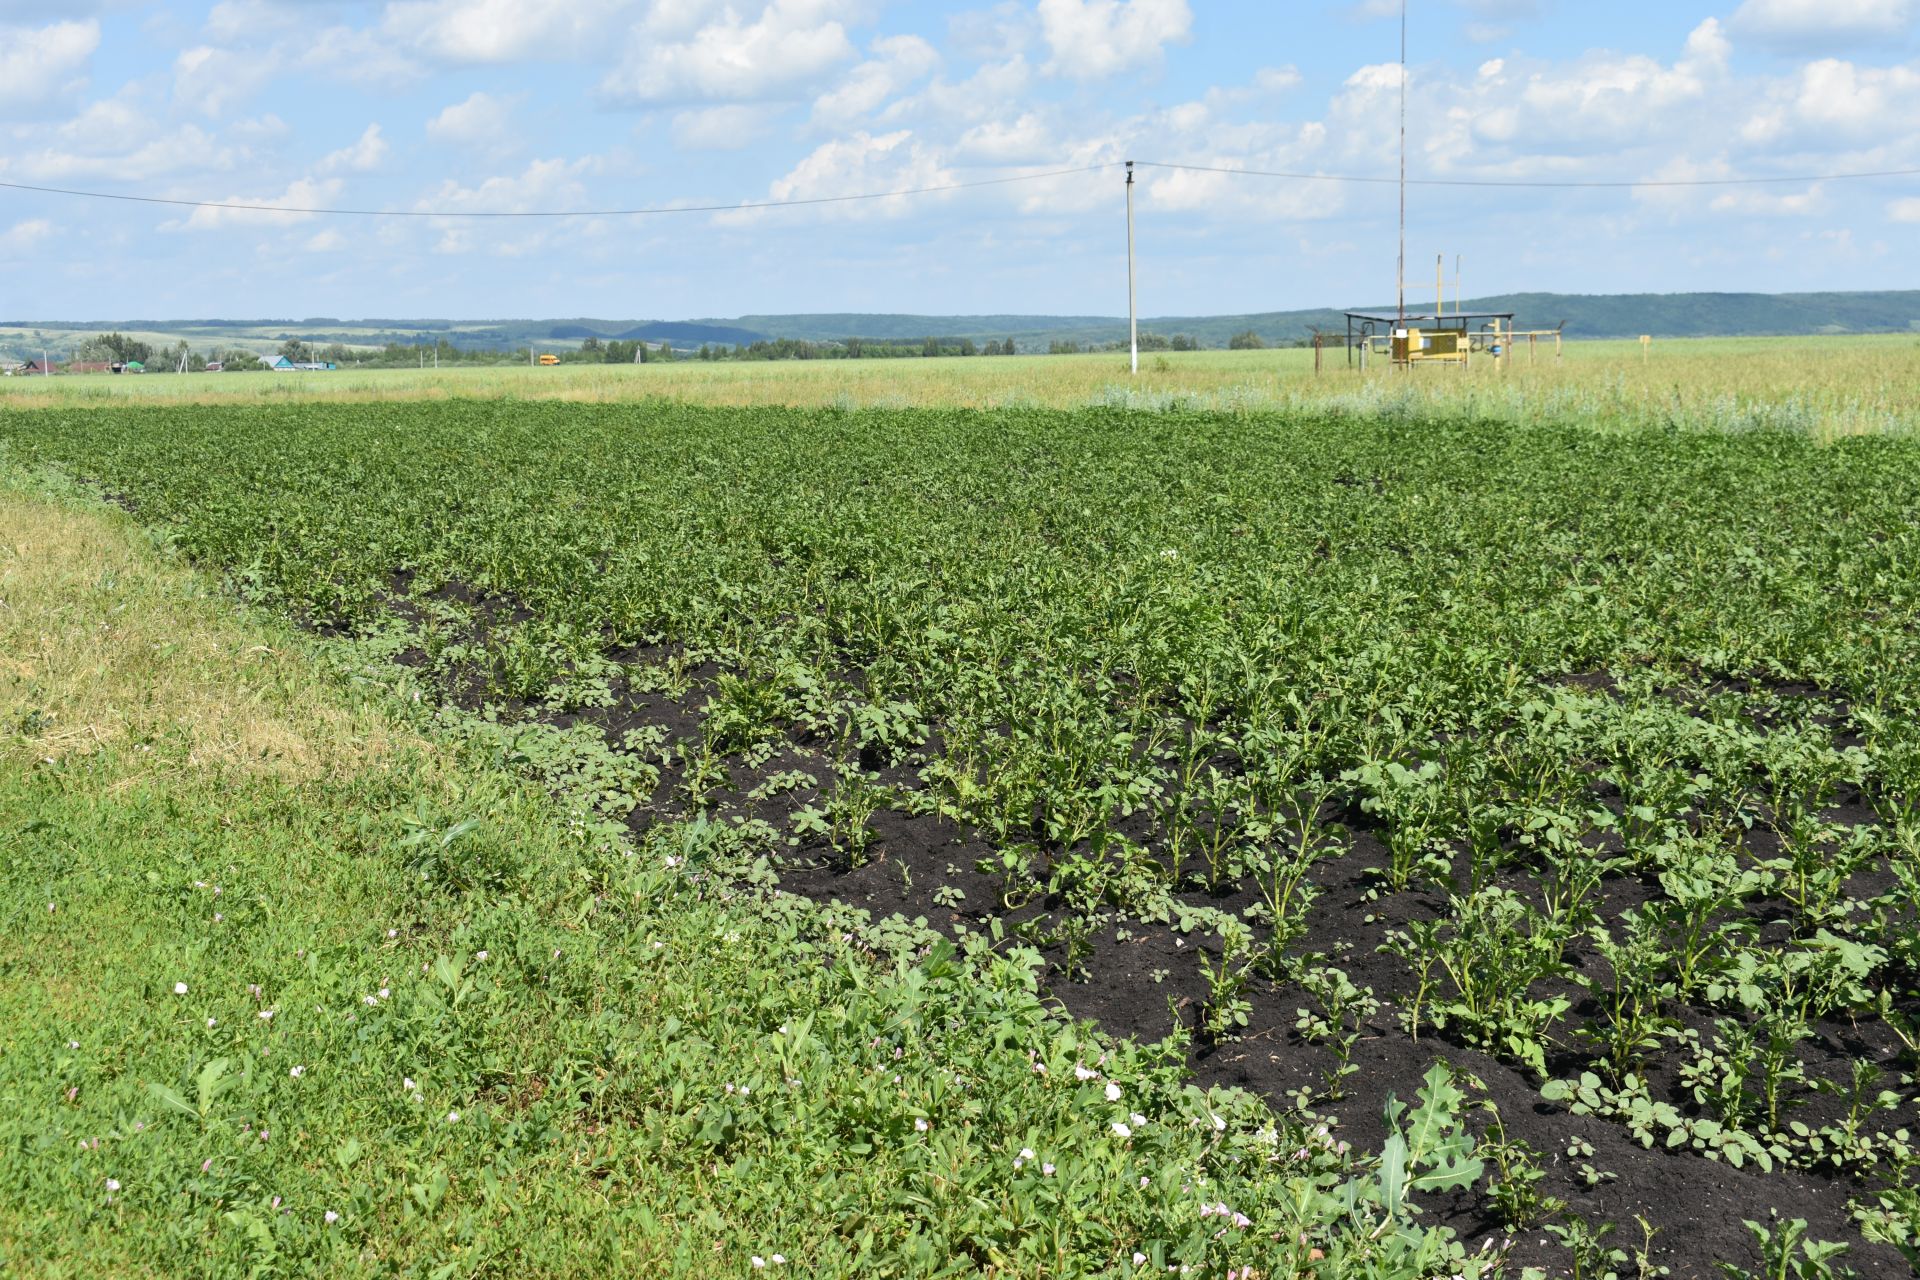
<point>46,366</point>
<point>1402,270</point>
<point>1133,313</point>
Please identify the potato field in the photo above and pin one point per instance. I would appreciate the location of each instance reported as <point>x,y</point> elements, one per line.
<point>1331,745</point>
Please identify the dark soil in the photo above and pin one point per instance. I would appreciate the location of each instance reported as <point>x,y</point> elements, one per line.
<point>1141,979</point>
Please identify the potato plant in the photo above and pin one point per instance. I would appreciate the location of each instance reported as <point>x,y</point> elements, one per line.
<point>1591,754</point>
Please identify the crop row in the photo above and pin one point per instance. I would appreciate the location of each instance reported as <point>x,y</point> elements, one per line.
<point>1626,732</point>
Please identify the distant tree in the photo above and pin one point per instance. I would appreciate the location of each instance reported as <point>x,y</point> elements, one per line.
<point>240,360</point>
<point>1185,342</point>
<point>967,348</point>
<point>706,351</point>
<point>1248,341</point>
<point>931,347</point>
<point>592,352</point>
<point>665,353</point>
<point>338,353</point>
<point>296,351</point>
<point>1008,349</point>
<point>113,348</point>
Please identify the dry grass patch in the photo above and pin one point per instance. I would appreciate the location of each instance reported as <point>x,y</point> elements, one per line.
<point>100,647</point>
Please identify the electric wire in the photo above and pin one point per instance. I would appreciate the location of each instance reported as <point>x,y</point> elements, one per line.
<point>744,207</point>
<point>1536,183</point>
<point>906,192</point>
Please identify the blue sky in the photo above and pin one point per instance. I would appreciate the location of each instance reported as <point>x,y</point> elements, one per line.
<point>503,105</point>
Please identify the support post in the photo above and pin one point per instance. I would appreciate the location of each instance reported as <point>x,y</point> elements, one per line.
<point>1133,313</point>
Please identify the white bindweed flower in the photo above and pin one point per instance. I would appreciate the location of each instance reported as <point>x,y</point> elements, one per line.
<point>1046,1169</point>
<point>408,1084</point>
<point>369,1000</point>
<point>453,1117</point>
<point>919,1124</point>
<point>779,1260</point>
<point>296,1071</point>
<point>382,993</point>
<point>1084,1073</point>
<point>758,1262</point>
<point>265,1015</point>
<point>332,1217</point>
<point>393,933</point>
<point>1120,1130</point>
<point>1137,1119</point>
<point>479,955</point>
<point>179,988</point>
<point>1139,1259</point>
<point>1113,1092</point>
<point>113,1184</point>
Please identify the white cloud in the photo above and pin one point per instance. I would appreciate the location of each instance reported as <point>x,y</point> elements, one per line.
<point>897,63</point>
<point>790,45</point>
<point>50,62</point>
<point>482,120</point>
<point>361,157</point>
<point>470,31</point>
<point>1091,39</point>
<point>210,80</point>
<point>1823,24</point>
<point>328,241</point>
<point>724,128</point>
<point>20,238</point>
<point>859,164</point>
<point>359,57</point>
<point>545,184</point>
<point>113,140</point>
<point>1905,210</point>
<point>267,211</point>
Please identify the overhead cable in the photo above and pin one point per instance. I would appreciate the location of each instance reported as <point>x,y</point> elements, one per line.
<point>744,207</point>
<point>1534,183</point>
<point>750,206</point>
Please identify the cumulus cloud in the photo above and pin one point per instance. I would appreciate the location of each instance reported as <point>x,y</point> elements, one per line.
<point>210,80</point>
<point>282,210</point>
<point>1904,210</point>
<point>22,237</point>
<point>859,164</point>
<point>724,128</point>
<point>38,65</point>
<point>113,140</point>
<point>478,31</point>
<point>788,46</point>
<point>1809,25</point>
<point>1091,39</point>
<point>544,184</point>
<point>897,63</point>
<point>481,120</point>
<point>362,156</point>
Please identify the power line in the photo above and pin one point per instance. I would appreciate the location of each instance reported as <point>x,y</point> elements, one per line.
<point>1534,183</point>
<point>754,205</point>
<point>746,207</point>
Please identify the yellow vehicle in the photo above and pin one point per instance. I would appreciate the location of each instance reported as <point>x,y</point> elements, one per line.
<point>549,359</point>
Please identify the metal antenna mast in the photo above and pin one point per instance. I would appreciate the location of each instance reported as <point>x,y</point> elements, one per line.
<point>1401,271</point>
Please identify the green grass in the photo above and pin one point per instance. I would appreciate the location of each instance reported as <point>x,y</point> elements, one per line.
<point>1173,651</point>
<point>1827,387</point>
<point>504,1040</point>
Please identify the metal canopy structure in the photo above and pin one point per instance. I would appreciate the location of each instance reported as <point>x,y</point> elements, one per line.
<point>1437,337</point>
